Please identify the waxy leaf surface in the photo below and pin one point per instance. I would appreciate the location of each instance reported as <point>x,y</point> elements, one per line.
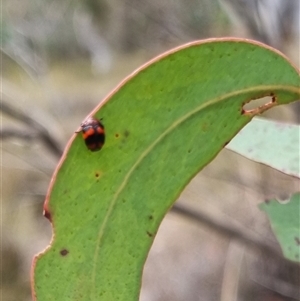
<point>272,143</point>
<point>285,221</point>
<point>163,125</point>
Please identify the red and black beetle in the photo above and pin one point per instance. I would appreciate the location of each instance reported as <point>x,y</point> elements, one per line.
<point>93,133</point>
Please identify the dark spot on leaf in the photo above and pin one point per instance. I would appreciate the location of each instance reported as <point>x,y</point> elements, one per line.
<point>204,127</point>
<point>297,239</point>
<point>150,217</point>
<point>64,252</point>
<point>98,174</point>
<point>126,133</point>
<point>149,234</point>
<point>117,135</point>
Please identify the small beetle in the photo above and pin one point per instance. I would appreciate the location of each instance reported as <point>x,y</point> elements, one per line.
<point>93,133</point>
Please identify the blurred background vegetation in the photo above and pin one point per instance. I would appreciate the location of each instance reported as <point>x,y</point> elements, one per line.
<point>58,60</point>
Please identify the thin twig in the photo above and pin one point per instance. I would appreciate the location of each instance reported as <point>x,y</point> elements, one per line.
<point>42,133</point>
<point>277,285</point>
<point>9,133</point>
<point>248,239</point>
<point>228,230</point>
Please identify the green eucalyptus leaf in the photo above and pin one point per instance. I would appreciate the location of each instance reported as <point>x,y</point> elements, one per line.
<point>272,143</point>
<point>285,221</point>
<point>163,124</point>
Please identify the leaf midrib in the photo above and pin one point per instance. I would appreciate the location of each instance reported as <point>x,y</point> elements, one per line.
<point>161,137</point>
